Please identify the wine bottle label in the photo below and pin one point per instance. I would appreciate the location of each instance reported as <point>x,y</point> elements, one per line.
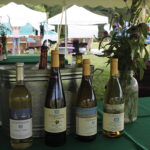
<point>113,117</point>
<point>86,121</point>
<point>55,120</point>
<point>20,123</point>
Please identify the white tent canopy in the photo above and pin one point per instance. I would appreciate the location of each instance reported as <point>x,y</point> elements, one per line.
<point>79,31</point>
<point>20,15</point>
<point>79,16</point>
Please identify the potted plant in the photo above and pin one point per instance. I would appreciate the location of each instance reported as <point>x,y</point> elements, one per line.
<point>127,43</point>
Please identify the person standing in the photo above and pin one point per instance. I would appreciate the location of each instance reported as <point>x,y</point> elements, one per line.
<point>16,39</point>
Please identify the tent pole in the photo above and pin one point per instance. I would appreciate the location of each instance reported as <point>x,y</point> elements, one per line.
<point>47,28</point>
<point>143,12</point>
<point>57,28</point>
<point>66,32</point>
<point>60,26</point>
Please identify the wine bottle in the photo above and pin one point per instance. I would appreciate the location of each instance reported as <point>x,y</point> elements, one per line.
<point>113,104</point>
<point>79,59</point>
<point>86,111</point>
<point>55,106</point>
<point>73,61</point>
<point>20,106</point>
<point>43,58</point>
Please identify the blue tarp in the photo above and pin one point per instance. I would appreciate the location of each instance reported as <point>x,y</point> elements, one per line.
<point>24,30</point>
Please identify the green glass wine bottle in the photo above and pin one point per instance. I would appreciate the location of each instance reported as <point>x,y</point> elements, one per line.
<point>113,104</point>
<point>55,106</point>
<point>20,106</point>
<point>86,111</point>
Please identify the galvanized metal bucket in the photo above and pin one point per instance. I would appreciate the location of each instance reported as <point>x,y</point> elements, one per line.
<point>37,83</point>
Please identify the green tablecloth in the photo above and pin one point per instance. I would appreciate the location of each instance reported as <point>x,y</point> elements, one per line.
<point>137,132</point>
<point>25,59</point>
<point>136,135</point>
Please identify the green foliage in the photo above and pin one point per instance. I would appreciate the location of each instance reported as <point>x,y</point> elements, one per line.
<point>3,29</point>
<point>36,7</point>
<point>127,40</point>
<point>52,11</point>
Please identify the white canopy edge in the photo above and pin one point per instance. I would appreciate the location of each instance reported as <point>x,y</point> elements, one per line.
<point>78,16</point>
<point>92,3</point>
<point>82,31</point>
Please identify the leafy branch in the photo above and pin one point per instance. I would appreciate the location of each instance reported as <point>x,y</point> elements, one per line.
<point>127,40</point>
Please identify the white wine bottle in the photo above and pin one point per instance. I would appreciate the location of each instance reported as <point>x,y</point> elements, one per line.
<point>55,106</point>
<point>86,111</point>
<point>20,106</point>
<point>113,104</point>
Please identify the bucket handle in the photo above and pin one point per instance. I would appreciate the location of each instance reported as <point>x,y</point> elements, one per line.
<point>100,72</point>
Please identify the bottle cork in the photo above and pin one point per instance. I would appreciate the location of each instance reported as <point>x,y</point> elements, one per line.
<point>114,66</point>
<point>86,67</point>
<point>54,58</point>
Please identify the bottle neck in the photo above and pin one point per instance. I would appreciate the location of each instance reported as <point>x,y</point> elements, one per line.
<point>20,74</point>
<point>44,54</point>
<point>20,82</point>
<point>86,77</point>
<point>54,71</point>
<point>62,60</point>
<point>86,80</point>
<point>114,75</point>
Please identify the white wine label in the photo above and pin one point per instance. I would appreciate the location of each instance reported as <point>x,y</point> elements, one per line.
<point>20,123</point>
<point>55,120</point>
<point>113,122</point>
<point>20,129</point>
<point>86,121</point>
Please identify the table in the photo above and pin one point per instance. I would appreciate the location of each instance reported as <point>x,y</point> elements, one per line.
<point>34,45</point>
<point>137,132</point>
<point>25,59</point>
<point>23,43</point>
<point>136,135</point>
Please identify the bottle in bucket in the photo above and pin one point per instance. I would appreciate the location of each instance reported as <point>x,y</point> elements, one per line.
<point>20,106</point>
<point>86,111</point>
<point>55,106</point>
